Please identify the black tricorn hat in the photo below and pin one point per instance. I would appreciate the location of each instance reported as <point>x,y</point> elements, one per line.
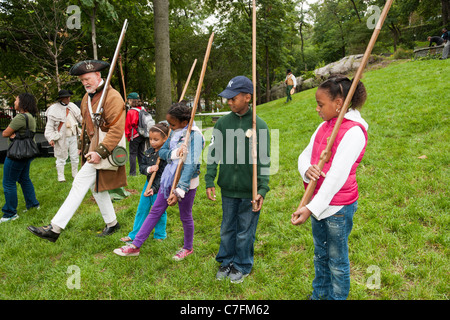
<point>87,66</point>
<point>64,93</point>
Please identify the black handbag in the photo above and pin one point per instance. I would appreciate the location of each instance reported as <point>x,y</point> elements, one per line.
<point>23,146</point>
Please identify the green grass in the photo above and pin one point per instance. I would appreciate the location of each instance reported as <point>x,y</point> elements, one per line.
<point>401,226</point>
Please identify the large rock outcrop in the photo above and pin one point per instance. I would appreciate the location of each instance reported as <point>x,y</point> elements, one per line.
<point>343,66</point>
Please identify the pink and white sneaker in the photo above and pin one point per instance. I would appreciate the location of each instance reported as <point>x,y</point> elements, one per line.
<point>127,251</point>
<point>183,253</point>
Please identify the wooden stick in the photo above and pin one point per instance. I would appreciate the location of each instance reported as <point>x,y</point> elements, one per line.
<point>123,79</point>
<point>187,81</point>
<point>152,177</point>
<point>110,73</point>
<point>194,109</point>
<point>97,117</point>
<point>254,152</point>
<point>326,154</point>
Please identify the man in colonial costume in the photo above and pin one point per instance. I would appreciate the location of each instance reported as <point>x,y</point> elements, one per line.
<point>99,181</point>
<point>61,132</point>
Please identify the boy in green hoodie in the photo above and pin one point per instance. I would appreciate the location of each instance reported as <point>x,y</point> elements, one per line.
<point>231,148</point>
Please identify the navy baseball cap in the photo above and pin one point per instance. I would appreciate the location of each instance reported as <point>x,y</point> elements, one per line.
<point>237,85</point>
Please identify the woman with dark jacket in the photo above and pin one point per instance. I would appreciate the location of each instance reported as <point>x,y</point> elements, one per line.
<point>19,170</point>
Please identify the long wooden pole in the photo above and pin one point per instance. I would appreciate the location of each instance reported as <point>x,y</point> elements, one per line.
<point>254,142</point>
<point>326,154</point>
<point>123,79</point>
<point>152,177</point>
<point>97,117</point>
<point>99,111</point>
<point>194,110</point>
<point>187,81</point>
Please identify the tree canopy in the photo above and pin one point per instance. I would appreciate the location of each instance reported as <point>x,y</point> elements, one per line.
<point>38,48</point>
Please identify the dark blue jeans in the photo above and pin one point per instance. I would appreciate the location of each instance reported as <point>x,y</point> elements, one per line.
<point>13,172</point>
<point>331,262</point>
<point>237,234</point>
<point>136,148</point>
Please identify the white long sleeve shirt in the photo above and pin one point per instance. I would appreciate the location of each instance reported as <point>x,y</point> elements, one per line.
<point>294,79</point>
<point>347,153</point>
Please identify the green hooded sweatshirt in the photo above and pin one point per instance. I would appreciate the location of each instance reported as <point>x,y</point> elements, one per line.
<point>230,148</point>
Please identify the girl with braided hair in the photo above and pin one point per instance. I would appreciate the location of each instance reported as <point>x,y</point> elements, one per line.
<point>334,201</point>
<point>173,150</point>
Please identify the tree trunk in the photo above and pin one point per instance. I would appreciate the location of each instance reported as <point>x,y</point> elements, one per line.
<point>395,33</point>
<point>267,75</point>
<point>179,78</point>
<point>55,55</point>
<point>258,89</point>
<point>58,80</point>
<point>162,58</point>
<point>356,10</point>
<point>302,41</point>
<point>94,32</point>
<point>445,12</point>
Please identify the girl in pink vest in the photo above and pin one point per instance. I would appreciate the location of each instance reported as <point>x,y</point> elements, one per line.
<point>335,197</point>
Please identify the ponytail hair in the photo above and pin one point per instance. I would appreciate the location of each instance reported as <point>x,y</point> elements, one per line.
<point>180,111</point>
<point>338,86</point>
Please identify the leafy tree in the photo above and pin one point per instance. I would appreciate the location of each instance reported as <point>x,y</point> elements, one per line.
<point>331,18</point>
<point>165,37</point>
<point>138,49</point>
<point>187,42</point>
<point>274,26</point>
<point>91,8</point>
<point>37,31</point>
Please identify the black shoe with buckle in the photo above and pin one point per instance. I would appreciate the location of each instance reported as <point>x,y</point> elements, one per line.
<point>109,230</point>
<point>44,232</point>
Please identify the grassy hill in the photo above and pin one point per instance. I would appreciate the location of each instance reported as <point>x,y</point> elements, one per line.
<point>401,228</point>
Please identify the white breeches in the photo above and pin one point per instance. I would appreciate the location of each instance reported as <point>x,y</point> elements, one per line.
<point>84,180</point>
<point>71,145</point>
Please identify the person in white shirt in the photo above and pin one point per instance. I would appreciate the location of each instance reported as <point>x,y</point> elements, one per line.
<point>334,201</point>
<point>291,82</point>
<point>348,151</point>
<point>61,132</point>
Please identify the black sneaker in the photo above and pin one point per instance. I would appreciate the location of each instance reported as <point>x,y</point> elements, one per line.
<point>109,230</point>
<point>236,276</point>
<point>223,272</point>
<point>44,232</point>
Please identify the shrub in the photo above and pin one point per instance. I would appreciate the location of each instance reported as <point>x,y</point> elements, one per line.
<point>402,54</point>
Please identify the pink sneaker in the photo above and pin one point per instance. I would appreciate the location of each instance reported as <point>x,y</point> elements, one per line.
<point>183,253</point>
<point>128,250</point>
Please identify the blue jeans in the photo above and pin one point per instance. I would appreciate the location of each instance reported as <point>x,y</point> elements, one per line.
<point>237,234</point>
<point>331,262</point>
<point>143,209</point>
<point>13,172</point>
